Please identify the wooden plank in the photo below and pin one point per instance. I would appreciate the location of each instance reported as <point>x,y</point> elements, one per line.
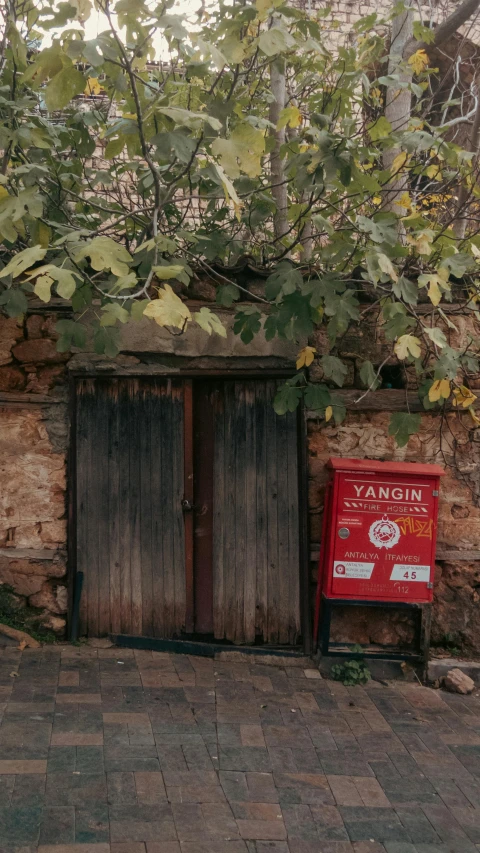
<point>178,530</point>
<point>95,402</point>
<point>82,470</point>
<point>135,464</point>
<point>239,530</point>
<point>250,570</point>
<point>167,509</point>
<point>283,571</point>
<point>261,549</point>
<point>101,491</point>
<point>189,495</point>
<point>124,412</point>
<point>272,517</point>
<point>157,515</point>
<point>294,621</point>
<point>219,504</point>
<point>204,452</point>
<point>229,557</point>
<point>147,507</point>
<point>115,556</point>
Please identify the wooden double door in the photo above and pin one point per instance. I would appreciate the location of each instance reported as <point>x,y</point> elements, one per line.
<point>187,510</point>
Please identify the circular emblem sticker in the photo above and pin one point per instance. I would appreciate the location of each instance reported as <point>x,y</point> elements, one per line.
<point>340,569</point>
<point>384,533</point>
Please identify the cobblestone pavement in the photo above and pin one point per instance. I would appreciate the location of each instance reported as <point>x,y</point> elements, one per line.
<point>111,751</point>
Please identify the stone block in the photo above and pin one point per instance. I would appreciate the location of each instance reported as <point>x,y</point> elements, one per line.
<point>12,378</point>
<point>457,681</point>
<point>10,332</point>
<point>51,598</point>
<point>39,351</point>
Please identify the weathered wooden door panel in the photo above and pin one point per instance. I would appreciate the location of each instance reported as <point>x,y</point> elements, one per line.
<point>256,573</point>
<point>130,529</point>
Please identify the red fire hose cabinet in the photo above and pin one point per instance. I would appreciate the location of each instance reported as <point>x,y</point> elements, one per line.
<point>379,536</point>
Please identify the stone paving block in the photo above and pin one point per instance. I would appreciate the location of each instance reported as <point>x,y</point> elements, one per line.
<point>265,830</point>
<point>58,825</point>
<point>344,791</point>
<point>20,826</point>
<point>76,739</point>
<point>92,824</point>
<point>150,787</point>
<point>367,823</point>
<point>75,789</point>
<point>74,848</point>
<point>28,790</point>
<point>10,767</point>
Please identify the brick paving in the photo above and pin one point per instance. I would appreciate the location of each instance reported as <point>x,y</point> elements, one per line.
<point>115,751</point>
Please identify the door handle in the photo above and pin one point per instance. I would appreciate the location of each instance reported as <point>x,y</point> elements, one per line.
<point>187,505</point>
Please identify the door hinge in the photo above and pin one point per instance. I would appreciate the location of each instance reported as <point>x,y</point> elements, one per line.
<point>435,493</point>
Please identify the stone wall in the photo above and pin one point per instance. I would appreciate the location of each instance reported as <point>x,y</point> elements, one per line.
<point>456,447</point>
<point>34,445</point>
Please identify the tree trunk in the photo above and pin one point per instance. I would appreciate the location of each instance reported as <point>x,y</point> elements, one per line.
<point>277,162</point>
<point>460,224</point>
<point>398,105</point>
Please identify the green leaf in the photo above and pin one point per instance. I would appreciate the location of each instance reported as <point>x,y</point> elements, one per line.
<point>63,87</point>
<point>22,260</point>
<point>105,254</point>
<point>164,273</point>
<point>210,322</point>
<point>242,152</point>
<point>287,399</point>
<point>72,334</point>
<point>111,312</point>
<point>187,118</point>
<point>227,294</point>
<point>368,376</point>
<point>14,302</point>
<point>403,425</point>
<point>405,289</point>
<point>334,369</point>
<point>436,336</point>
<point>286,279</point>
<point>247,324</point>
<point>106,342</point>
<point>317,397</point>
<point>276,40</point>
<point>380,129</point>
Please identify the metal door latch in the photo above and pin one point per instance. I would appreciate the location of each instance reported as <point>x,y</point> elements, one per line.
<point>187,506</point>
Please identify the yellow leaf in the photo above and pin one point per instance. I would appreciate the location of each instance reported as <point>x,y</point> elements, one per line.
<point>433,171</point>
<point>3,193</point>
<point>434,292</point>
<point>404,201</point>
<point>474,249</point>
<point>399,161</point>
<point>407,345</point>
<point>386,266</point>
<point>440,390</point>
<point>42,287</point>
<point>475,419</point>
<point>463,397</point>
<point>328,413</point>
<point>290,116</point>
<point>168,309</point>
<point>93,87</point>
<point>422,242</point>
<point>305,357</point>
<point>418,61</point>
